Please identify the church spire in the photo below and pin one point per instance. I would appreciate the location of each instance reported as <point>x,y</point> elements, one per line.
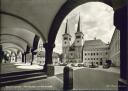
<point>66,28</point>
<point>78,28</point>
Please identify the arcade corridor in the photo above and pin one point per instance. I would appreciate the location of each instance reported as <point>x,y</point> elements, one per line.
<point>25,22</point>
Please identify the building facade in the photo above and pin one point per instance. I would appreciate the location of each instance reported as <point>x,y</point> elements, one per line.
<point>114,52</point>
<point>95,51</point>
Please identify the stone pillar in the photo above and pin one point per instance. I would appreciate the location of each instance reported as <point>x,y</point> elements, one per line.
<point>68,78</point>
<point>15,57</point>
<point>48,67</point>
<point>120,21</point>
<point>32,58</point>
<point>22,57</point>
<point>25,57</point>
<point>1,55</point>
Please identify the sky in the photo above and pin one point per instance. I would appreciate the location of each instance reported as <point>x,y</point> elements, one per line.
<point>96,22</point>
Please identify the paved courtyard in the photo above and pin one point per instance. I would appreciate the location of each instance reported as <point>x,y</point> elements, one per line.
<point>83,78</point>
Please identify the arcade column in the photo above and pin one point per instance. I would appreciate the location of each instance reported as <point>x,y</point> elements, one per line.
<point>120,21</point>
<point>1,56</point>
<point>48,67</point>
<point>23,57</point>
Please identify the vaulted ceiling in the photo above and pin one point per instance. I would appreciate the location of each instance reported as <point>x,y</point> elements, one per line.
<point>21,20</point>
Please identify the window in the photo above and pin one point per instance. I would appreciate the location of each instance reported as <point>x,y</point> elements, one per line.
<point>65,38</point>
<point>77,36</point>
<point>85,54</point>
<point>65,42</point>
<point>77,41</point>
<point>97,53</point>
<point>94,53</point>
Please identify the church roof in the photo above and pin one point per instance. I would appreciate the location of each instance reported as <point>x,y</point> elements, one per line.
<point>94,42</point>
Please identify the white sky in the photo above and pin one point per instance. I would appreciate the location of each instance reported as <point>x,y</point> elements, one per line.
<point>96,21</point>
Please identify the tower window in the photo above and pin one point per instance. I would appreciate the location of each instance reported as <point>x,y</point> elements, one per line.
<point>65,38</point>
<point>77,36</point>
<point>65,42</point>
<point>77,41</point>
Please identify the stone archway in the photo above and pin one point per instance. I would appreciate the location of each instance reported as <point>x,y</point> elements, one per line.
<point>120,21</point>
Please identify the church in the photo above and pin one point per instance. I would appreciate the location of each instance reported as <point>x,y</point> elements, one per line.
<point>72,53</point>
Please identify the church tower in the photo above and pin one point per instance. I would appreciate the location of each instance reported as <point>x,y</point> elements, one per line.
<point>66,43</point>
<point>79,40</point>
<point>79,36</point>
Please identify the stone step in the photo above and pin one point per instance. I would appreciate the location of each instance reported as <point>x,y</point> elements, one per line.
<point>20,76</point>
<point>22,80</point>
<point>19,73</point>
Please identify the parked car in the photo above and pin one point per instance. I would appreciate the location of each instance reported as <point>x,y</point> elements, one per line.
<point>62,64</point>
<point>92,65</point>
<point>106,66</point>
<point>80,65</point>
<point>75,65</point>
<point>84,65</point>
<point>69,64</point>
<point>72,64</point>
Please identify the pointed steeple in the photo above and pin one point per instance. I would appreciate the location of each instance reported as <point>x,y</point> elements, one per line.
<point>78,28</point>
<point>67,28</point>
